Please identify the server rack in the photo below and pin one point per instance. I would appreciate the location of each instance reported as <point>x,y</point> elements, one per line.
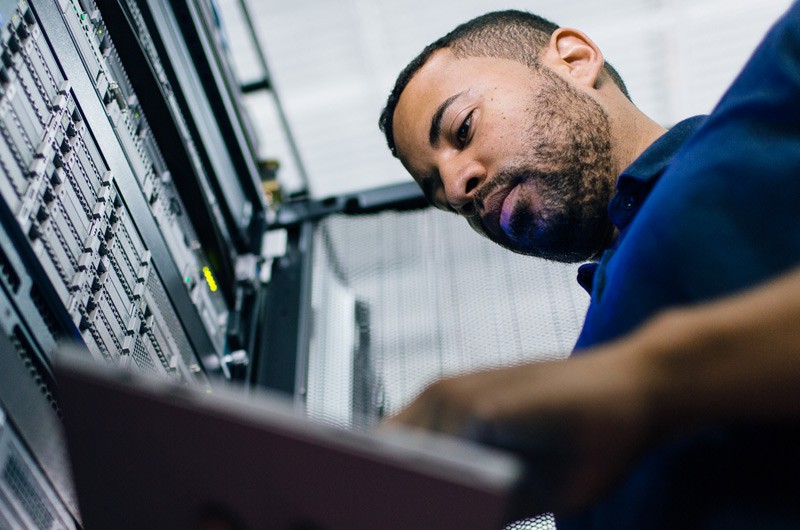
<point>131,213</point>
<point>132,221</point>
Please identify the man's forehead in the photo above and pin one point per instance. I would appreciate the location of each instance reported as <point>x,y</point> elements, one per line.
<point>437,66</point>
<point>429,84</point>
<point>443,76</point>
<point>436,81</point>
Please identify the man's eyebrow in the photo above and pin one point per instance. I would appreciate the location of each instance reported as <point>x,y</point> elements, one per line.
<point>436,120</point>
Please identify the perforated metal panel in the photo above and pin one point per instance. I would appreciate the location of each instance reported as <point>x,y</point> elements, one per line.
<point>26,498</point>
<point>420,296</point>
<point>401,299</point>
<point>544,522</point>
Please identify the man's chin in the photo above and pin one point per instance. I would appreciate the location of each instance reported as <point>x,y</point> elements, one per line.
<point>558,255</point>
<point>551,248</point>
<point>544,244</point>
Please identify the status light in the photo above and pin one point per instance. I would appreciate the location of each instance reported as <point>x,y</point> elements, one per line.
<point>212,284</point>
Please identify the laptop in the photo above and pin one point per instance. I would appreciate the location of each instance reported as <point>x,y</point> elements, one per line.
<point>149,453</point>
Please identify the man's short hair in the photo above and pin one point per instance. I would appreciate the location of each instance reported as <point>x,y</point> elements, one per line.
<point>515,35</point>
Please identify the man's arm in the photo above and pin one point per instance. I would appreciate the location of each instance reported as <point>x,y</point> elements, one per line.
<point>584,421</point>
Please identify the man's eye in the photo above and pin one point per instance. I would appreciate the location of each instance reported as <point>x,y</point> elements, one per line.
<point>463,132</point>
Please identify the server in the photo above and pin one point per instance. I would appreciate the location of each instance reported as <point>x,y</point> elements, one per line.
<point>131,217</point>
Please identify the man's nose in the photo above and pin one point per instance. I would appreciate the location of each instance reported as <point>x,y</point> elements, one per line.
<point>460,183</point>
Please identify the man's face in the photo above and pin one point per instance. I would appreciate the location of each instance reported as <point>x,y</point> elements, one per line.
<point>524,156</point>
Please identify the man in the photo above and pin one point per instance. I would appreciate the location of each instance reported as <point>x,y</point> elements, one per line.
<point>509,106</point>
<point>520,126</point>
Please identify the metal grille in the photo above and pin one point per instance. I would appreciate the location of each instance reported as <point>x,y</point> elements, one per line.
<point>177,337</point>
<point>401,299</point>
<point>27,492</point>
<point>142,358</point>
<point>543,522</point>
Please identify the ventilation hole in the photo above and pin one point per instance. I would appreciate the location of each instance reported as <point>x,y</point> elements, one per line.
<point>45,312</point>
<point>27,355</point>
<point>7,271</point>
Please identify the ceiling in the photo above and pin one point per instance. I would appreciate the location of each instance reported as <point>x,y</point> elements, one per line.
<point>333,62</point>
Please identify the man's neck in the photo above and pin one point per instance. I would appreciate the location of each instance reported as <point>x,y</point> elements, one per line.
<point>635,133</point>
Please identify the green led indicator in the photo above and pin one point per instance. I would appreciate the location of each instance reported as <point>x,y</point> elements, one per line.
<point>188,279</point>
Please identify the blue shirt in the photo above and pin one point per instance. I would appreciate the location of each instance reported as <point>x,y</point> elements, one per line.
<point>724,216</point>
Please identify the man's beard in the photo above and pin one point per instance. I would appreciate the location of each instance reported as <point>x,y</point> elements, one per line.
<point>568,173</point>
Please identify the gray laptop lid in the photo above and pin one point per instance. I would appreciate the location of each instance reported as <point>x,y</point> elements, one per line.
<point>148,453</point>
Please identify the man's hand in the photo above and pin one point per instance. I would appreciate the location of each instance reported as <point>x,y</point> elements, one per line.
<point>578,423</point>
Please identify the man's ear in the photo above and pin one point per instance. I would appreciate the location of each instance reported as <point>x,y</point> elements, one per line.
<point>574,55</point>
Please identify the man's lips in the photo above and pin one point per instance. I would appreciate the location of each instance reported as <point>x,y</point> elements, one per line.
<point>496,210</point>
<point>507,209</point>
